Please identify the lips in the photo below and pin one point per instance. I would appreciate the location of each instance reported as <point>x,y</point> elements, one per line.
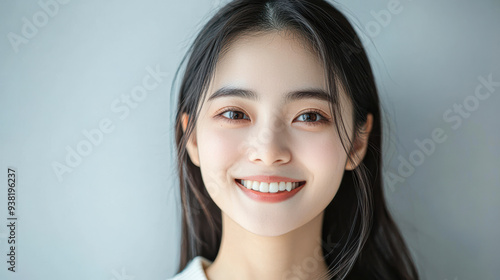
<point>268,196</point>
<point>272,187</point>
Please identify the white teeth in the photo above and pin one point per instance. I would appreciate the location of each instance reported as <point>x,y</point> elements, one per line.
<point>282,186</point>
<point>255,185</point>
<point>264,187</point>
<point>269,187</point>
<point>273,187</point>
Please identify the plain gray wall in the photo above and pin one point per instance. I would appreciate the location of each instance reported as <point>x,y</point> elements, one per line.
<point>115,212</point>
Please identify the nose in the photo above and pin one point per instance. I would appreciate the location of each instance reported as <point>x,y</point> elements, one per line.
<point>270,147</point>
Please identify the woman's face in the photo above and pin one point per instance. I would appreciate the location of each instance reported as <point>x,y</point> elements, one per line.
<point>268,134</point>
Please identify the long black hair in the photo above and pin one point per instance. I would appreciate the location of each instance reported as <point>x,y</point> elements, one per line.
<point>368,244</point>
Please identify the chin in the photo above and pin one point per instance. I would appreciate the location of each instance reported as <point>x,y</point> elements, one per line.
<point>270,227</point>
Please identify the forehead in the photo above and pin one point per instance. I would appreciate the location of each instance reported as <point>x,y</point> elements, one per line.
<point>269,63</point>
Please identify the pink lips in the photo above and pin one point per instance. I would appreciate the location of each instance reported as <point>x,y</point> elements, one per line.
<point>270,197</point>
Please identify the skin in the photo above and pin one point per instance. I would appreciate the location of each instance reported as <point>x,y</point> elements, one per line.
<point>270,240</point>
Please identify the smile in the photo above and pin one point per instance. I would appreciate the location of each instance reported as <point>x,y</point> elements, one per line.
<point>270,192</point>
<point>273,187</point>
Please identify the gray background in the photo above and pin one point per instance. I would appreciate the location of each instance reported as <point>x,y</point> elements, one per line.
<point>117,213</point>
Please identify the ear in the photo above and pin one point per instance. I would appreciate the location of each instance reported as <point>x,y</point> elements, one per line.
<point>191,145</point>
<point>360,145</point>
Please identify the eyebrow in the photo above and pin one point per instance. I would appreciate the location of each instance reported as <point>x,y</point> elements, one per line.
<point>310,93</point>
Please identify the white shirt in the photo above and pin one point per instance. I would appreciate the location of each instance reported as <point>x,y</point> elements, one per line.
<point>194,270</point>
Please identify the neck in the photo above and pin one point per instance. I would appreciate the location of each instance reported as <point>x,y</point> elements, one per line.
<point>244,255</point>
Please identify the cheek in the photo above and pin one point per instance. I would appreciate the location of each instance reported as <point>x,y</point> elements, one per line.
<point>218,146</point>
<point>218,151</point>
<point>321,153</point>
<point>324,158</point>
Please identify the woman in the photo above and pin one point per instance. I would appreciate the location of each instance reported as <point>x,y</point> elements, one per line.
<point>278,133</point>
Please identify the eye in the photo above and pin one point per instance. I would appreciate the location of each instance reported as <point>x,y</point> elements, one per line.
<point>232,115</point>
<point>313,117</point>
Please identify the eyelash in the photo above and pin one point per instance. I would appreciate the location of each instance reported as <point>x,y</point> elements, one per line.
<point>323,119</point>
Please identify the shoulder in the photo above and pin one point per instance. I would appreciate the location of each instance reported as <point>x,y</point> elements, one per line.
<point>194,270</point>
